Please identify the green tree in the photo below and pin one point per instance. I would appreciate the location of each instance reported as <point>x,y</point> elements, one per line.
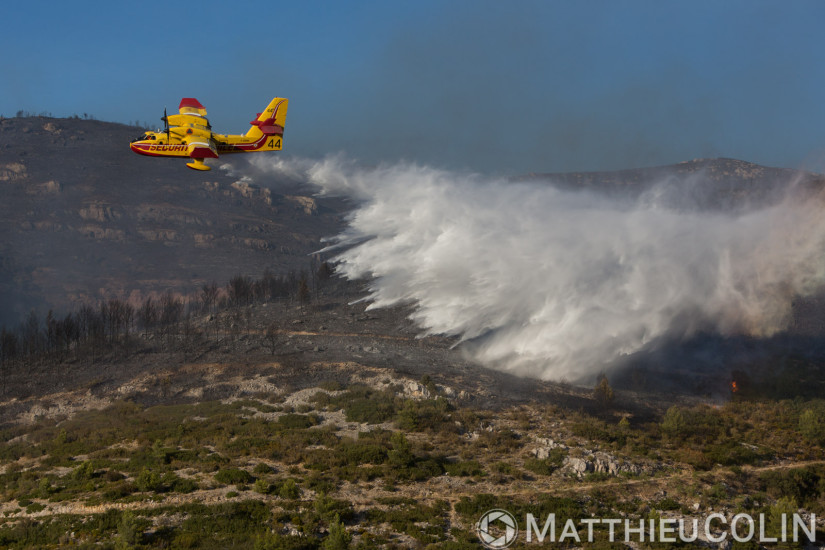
<point>673,424</point>
<point>338,538</point>
<point>147,480</point>
<point>812,426</point>
<point>401,455</point>
<point>83,472</point>
<point>129,533</point>
<point>289,490</point>
<point>784,506</point>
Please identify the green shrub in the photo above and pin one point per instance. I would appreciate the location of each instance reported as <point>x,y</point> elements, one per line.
<point>183,485</point>
<point>594,430</point>
<point>262,486</point>
<point>717,492</point>
<point>784,508</point>
<point>812,425</point>
<point>505,468</point>
<point>84,471</point>
<point>673,424</point>
<point>233,476</point>
<point>504,440</point>
<point>112,475</point>
<point>147,480</point>
<point>270,541</point>
<point>44,488</point>
<point>401,455</point>
<point>294,421</point>
<point>805,485</point>
<point>471,508</point>
<point>369,411</point>
<point>263,468</point>
<point>35,507</point>
<point>546,466</point>
<point>358,452</point>
<point>731,453</point>
<point>289,490</point>
<point>700,425</point>
<point>365,404</point>
<point>119,490</point>
<point>425,523</point>
<point>538,466</point>
<point>425,415</point>
<point>667,503</point>
<point>594,477</point>
<point>463,469</point>
<point>323,483</point>
<point>337,537</point>
<point>129,531</point>
<point>330,509</point>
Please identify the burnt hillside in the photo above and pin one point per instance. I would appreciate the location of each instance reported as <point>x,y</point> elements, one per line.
<point>83,218</point>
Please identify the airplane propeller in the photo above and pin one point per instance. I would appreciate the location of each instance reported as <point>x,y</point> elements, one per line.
<point>166,123</point>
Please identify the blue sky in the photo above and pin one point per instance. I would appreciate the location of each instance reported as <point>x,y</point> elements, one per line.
<point>504,87</point>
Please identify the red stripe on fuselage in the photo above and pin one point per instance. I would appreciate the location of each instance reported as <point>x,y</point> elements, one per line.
<point>242,147</point>
<point>151,150</point>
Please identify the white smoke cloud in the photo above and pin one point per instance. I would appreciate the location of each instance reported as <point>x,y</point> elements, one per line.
<point>560,284</point>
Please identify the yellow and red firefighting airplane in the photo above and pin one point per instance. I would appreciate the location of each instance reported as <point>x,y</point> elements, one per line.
<point>190,134</point>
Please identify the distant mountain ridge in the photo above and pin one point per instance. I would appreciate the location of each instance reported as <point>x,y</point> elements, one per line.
<point>720,183</point>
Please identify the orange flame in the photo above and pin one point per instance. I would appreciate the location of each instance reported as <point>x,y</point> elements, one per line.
<point>733,387</point>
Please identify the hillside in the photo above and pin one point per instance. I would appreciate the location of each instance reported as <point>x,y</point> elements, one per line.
<point>277,425</point>
<point>710,184</point>
<point>275,414</point>
<point>82,218</point>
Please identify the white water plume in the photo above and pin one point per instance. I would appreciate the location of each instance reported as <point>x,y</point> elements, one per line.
<point>560,284</point>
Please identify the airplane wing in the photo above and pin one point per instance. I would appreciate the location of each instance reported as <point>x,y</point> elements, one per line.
<point>194,129</point>
<point>196,132</point>
<point>191,106</point>
<point>192,117</point>
<point>202,149</point>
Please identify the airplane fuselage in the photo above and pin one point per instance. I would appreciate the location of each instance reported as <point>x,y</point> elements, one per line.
<point>189,134</point>
<point>154,145</point>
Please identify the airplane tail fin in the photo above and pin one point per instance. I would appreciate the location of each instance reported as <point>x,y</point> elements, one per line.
<point>270,123</point>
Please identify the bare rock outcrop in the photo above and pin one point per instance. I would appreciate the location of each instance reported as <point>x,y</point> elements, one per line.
<point>99,212</point>
<point>13,171</point>
<point>599,462</point>
<point>307,204</point>
<point>251,191</point>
